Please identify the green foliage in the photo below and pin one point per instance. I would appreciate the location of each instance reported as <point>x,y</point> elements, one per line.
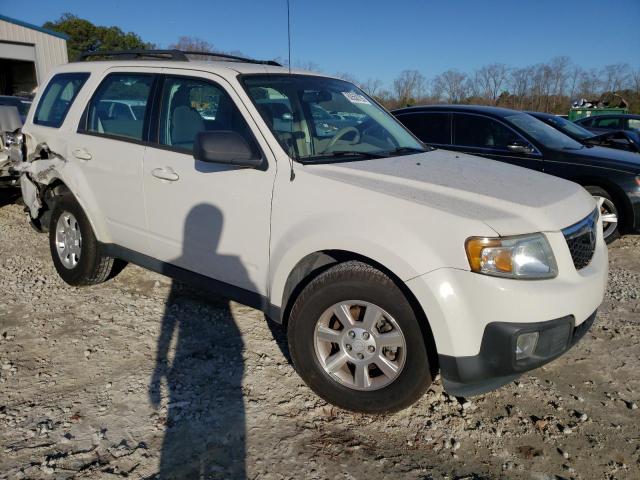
<point>84,35</point>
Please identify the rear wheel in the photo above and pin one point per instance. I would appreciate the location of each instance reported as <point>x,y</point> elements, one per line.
<point>75,251</point>
<point>355,340</point>
<point>608,211</point>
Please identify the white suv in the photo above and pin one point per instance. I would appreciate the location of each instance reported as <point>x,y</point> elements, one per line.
<point>387,260</point>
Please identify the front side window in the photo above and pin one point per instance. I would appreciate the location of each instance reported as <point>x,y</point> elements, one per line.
<point>482,132</point>
<point>318,119</point>
<point>119,106</point>
<point>191,105</point>
<point>58,97</point>
<point>433,128</point>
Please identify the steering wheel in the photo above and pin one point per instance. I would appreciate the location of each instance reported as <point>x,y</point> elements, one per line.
<point>341,133</point>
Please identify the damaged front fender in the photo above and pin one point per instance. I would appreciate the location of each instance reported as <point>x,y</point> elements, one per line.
<point>40,170</point>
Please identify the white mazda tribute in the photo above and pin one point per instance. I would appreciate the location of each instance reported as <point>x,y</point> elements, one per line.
<point>299,195</point>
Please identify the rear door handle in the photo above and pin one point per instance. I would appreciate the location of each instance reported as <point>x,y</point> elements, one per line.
<point>166,173</point>
<point>81,154</point>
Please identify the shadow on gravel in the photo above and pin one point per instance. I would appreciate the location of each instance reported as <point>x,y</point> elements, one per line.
<point>205,420</point>
<point>9,196</point>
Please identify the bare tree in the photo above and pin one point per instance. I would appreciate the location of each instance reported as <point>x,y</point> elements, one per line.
<point>452,84</point>
<point>347,77</point>
<point>372,86</point>
<point>409,86</point>
<point>491,79</point>
<point>615,77</point>
<point>520,83</point>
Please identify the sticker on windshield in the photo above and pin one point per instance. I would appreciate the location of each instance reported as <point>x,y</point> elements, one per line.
<point>354,97</point>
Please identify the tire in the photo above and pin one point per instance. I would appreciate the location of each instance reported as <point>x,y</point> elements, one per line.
<point>363,287</point>
<point>87,266</point>
<point>609,209</point>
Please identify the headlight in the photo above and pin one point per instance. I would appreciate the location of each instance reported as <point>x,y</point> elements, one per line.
<point>525,256</point>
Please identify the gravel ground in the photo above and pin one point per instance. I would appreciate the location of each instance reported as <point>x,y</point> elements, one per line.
<point>142,378</point>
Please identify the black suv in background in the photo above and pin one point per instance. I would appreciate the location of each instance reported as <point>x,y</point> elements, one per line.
<point>518,138</point>
<point>610,123</point>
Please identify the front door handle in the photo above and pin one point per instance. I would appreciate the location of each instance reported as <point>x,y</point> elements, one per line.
<point>81,154</point>
<point>166,173</point>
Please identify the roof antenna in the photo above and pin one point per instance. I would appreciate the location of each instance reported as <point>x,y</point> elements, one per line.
<point>289,33</point>
<point>293,173</point>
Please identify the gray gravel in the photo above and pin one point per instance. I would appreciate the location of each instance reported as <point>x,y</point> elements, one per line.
<point>139,376</point>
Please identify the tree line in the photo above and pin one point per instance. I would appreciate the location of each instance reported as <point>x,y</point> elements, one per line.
<point>549,86</point>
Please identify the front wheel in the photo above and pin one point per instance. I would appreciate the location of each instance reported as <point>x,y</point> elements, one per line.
<point>608,211</point>
<point>75,252</point>
<point>355,340</point>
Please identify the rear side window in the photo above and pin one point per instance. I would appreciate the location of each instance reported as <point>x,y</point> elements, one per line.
<point>607,122</point>
<point>482,132</point>
<point>119,106</point>
<point>58,97</point>
<point>429,127</point>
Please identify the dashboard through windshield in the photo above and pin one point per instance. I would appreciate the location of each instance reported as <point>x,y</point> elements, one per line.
<point>319,119</point>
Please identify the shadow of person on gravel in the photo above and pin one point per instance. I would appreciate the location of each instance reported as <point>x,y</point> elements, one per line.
<point>205,420</point>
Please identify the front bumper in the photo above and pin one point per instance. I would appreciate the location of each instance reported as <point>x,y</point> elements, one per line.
<point>496,364</point>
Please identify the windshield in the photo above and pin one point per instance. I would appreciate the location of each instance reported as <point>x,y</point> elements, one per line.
<point>543,133</point>
<point>572,129</point>
<point>323,119</point>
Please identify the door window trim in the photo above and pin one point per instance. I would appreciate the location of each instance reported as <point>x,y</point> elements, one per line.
<point>84,119</point>
<point>153,138</point>
<point>534,154</point>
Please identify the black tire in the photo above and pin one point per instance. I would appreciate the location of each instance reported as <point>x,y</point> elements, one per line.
<point>355,280</point>
<point>610,206</point>
<point>92,267</point>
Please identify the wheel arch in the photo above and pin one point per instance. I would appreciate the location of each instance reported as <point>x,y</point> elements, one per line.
<point>313,264</point>
<point>616,193</point>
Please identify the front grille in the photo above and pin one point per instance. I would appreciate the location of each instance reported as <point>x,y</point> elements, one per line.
<point>581,239</point>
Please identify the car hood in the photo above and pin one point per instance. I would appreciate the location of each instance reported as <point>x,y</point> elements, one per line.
<point>612,158</point>
<point>511,200</point>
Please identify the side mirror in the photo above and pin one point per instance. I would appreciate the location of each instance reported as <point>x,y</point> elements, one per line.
<point>520,147</point>
<point>224,147</point>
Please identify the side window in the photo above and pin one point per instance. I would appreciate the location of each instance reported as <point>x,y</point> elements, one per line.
<point>58,97</point>
<point>482,132</point>
<point>634,124</point>
<point>429,127</point>
<point>586,122</point>
<point>191,105</point>
<point>119,105</point>
<point>607,122</point>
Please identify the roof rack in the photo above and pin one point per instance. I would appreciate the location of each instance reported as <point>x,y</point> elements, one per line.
<point>172,55</point>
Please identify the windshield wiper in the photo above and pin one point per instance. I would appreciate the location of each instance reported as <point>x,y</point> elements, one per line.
<point>343,154</point>
<point>405,151</point>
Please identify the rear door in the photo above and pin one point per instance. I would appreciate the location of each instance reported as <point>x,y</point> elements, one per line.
<point>108,148</point>
<point>487,137</point>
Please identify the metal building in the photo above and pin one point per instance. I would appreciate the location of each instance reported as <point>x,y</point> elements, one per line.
<point>27,54</point>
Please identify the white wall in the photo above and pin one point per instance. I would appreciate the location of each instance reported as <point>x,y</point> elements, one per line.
<point>49,50</point>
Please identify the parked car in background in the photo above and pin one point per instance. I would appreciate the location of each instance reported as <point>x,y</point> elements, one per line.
<point>610,123</point>
<point>21,103</point>
<point>385,260</point>
<point>517,138</point>
<point>623,140</point>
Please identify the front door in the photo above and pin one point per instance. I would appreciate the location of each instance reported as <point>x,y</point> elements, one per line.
<point>209,218</point>
<point>484,136</point>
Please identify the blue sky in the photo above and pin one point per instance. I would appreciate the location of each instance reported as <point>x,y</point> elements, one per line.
<point>377,38</point>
